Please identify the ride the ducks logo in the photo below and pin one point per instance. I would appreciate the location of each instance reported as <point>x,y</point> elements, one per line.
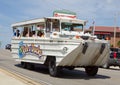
<point>25,49</point>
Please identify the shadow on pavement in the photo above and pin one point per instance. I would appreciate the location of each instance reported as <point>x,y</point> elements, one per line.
<point>79,74</point>
<point>113,68</point>
<point>67,74</point>
<point>38,68</point>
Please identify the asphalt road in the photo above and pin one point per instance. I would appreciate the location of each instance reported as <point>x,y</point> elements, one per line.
<point>75,77</point>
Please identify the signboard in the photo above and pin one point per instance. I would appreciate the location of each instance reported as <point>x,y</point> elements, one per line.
<point>64,13</point>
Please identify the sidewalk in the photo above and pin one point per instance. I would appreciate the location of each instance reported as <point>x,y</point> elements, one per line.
<point>7,78</point>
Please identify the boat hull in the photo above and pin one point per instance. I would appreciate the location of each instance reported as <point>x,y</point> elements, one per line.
<point>68,52</point>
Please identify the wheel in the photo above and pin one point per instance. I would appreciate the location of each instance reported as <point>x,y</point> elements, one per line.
<point>91,70</point>
<point>27,65</point>
<point>30,66</point>
<point>24,64</point>
<point>106,66</point>
<point>119,66</point>
<point>53,69</point>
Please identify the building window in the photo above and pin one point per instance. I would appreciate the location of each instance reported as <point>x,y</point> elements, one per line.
<point>103,36</point>
<point>118,35</point>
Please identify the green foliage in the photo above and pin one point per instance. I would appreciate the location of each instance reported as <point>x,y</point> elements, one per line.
<point>111,45</point>
<point>118,43</point>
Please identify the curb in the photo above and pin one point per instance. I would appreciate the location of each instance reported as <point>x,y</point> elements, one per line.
<point>25,80</point>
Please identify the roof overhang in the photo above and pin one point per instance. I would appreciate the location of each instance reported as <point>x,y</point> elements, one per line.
<point>65,19</point>
<point>27,22</point>
<point>35,21</point>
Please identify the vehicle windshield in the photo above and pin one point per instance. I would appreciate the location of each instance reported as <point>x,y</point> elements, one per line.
<point>71,26</point>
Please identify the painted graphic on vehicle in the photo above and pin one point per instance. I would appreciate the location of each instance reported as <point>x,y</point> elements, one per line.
<point>26,49</point>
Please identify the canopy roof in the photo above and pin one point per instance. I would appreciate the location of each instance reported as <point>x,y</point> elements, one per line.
<point>39,20</point>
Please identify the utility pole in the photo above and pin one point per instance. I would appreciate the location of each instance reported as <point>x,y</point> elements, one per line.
<point>115,25</point>
<point>93,31</point>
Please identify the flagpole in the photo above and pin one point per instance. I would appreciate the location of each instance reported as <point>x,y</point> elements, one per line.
<point>93,33</point>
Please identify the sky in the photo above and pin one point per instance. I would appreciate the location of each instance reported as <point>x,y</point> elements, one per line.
<point>103,12</point>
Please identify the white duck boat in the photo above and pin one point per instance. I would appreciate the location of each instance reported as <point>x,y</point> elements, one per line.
<point>57,43</point>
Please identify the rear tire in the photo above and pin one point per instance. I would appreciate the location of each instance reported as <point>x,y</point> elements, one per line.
<point>91,70</point>
<point>27,65</point>
<point>119,66</point>
<point>30,66</point>
<point>24,64</point>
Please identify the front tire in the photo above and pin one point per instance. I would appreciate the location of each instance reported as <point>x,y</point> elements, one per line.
<point>53,69</point>
<point>91,70</point>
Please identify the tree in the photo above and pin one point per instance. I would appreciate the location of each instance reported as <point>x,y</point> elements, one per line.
<point>118,43</point>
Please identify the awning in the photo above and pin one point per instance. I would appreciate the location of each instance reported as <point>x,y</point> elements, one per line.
<point>102,33</point>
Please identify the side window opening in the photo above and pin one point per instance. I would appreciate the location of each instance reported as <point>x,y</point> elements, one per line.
<point>40,30</point>
<point>52,25</point>
<point>48,25</point>
<point>17,32</point>
<point>56,25</point>
<point>26,32</point>
<point>35,30</point>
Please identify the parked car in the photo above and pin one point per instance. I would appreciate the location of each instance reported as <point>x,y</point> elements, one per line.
<point>8,47</point>
<point>114,59</point>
